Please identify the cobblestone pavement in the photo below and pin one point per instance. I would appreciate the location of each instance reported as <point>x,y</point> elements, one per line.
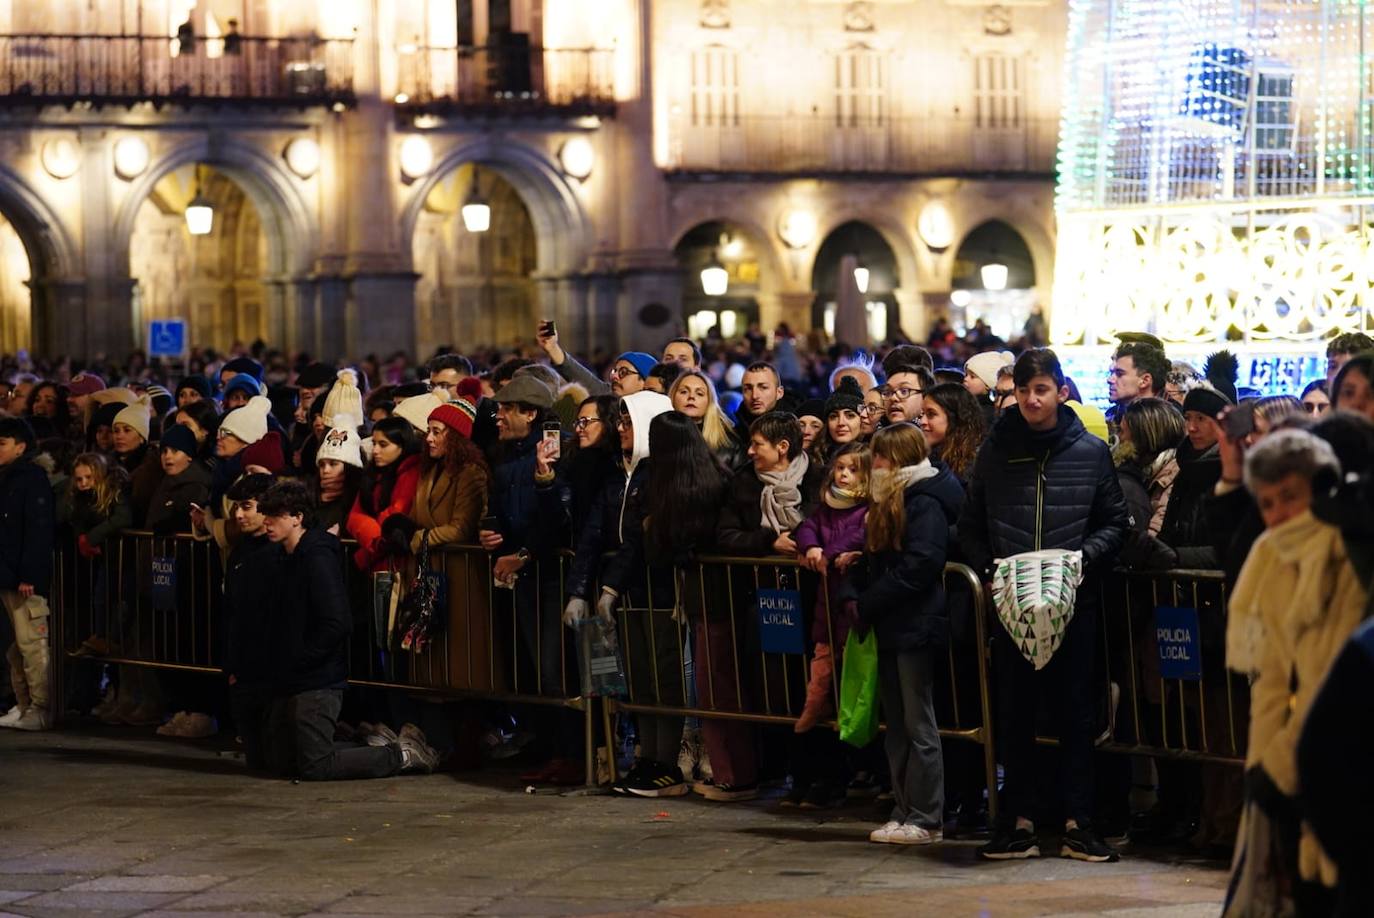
<point>126,823</point>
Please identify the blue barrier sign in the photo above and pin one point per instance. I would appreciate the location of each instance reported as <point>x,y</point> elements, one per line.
<point>1180,646</point>
<point>164,592</point>
<point>167,338</point>
<point>780,621</point>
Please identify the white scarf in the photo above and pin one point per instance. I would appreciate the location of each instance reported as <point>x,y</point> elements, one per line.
<point>780,502</point>
<point>884,482</point>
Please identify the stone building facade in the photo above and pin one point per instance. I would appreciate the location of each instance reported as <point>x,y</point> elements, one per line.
<point>619,145</point>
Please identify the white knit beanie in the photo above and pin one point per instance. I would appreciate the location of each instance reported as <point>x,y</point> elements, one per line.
<point>345,399</point>
<point>986,365</point>
<point>248,423</point>
<point>342,444</point>
<point>416,410</point>
<point>136,415</point>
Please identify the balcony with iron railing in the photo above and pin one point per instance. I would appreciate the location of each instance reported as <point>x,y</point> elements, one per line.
<point>505,79</point>
<point>820,144</point>
<point>127,69</point>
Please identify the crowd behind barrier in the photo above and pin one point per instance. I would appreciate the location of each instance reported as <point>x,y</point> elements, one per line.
<point>728,557</point>
<point>155,601</point>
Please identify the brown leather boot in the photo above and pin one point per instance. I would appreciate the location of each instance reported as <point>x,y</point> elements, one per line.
<point>819,690</point>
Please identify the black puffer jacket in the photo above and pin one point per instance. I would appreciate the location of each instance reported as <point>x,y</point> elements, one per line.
<point>901,593</point>
<point>1186,529</point>
<point>310,623</point>
<point>28,523</point>
<point>1033,490</point>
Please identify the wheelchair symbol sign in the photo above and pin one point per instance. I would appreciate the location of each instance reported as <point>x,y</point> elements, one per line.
<point>167,338</point>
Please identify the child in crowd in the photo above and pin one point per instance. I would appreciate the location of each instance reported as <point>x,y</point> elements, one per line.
<point>829,541</point>
<point>94,504</point>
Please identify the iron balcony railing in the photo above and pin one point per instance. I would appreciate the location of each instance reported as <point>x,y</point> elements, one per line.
<point>125,69</point>
<point>505,79</point>
<point>816,143</point>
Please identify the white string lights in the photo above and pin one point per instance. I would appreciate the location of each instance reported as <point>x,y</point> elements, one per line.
<point>1216,171</point>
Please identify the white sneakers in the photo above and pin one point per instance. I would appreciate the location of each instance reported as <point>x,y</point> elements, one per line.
<point>32,718</point>
<point>893,832</point>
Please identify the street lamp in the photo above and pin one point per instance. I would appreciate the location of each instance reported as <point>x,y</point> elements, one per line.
<point>476,211</point>
<point>861,279</point>
<point>200,215</point>
<point>715,280</point>
<point>994,276</point>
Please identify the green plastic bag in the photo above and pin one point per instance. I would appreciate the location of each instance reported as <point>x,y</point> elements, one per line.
<point>858,718</point>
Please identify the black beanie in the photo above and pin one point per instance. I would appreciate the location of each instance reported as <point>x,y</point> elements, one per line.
<point>812,407</point>
<point>179,437</point>
<point>1218,388</point>
<point>316,376</point>
<point>848,396</point>
<point>196,382</point>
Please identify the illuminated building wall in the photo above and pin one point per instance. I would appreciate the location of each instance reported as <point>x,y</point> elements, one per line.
<point>1215,173</point>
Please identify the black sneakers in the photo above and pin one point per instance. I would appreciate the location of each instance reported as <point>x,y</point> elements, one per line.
<point>653,779</point>
<point>1084,845</point>
<point>1010,845</point>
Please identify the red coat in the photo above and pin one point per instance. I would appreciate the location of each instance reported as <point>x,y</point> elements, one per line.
<point>367,529</point>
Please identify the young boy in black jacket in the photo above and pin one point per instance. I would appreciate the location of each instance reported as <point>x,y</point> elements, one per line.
<point>250,572</point>
<point>307,638</point>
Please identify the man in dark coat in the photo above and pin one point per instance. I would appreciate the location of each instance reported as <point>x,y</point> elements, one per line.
<point>27,524</point>
<point>1043,482</point>
<point>308,641</point>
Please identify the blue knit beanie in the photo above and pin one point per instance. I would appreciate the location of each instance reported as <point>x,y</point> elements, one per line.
<point>641,361</point>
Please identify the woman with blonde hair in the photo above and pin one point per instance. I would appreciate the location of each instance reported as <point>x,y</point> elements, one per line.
<point>913,506</point>
<point>694,395</point>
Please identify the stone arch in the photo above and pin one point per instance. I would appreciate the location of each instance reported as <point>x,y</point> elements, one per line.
<point>562,230</point>
<point>291,228</point>
<point>52,258</point>
<point>894,233</point>
<point>773,277</point>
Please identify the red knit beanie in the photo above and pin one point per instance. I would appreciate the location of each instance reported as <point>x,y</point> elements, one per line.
<point>470,388</point>
<point>456,415</point>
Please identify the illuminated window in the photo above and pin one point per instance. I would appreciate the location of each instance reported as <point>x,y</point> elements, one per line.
<point>860,87</point>
<point>998,91</point>
<point>715,87</point>
<point>1275,117</point>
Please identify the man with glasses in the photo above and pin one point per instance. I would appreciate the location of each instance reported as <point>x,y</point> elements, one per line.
<point>628,371</point>
<point>445,373</point>
<point>904,393</point>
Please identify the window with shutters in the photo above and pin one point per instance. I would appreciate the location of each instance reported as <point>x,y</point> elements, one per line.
<point>860,87</point>
<point>998,91</point>
<point>715,87</point>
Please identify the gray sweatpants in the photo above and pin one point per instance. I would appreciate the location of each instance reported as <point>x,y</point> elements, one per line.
<point>905,684</point>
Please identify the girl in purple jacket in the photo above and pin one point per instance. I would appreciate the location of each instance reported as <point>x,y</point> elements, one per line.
<point>828,542</point>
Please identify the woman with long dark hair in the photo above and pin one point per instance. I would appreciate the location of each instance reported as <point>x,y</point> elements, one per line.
<point>593,460</point>
<point>389,486</point>
<point>954,425</point>
<point>201,418</point>
<point>47,413</point>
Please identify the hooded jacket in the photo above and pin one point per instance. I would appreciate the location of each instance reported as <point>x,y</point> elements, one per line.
<point>310,620</point>
<point>618,512</point>
<point>169,511</point>
<point>901,592</point>
<point>28,520</point>
<point>1033,490</point>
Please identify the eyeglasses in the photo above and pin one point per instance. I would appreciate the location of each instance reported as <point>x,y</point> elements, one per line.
<point>866,410</point>
<point>900,395</point>
<point>623,422</point>
<point>582,424</point>
<point>446,386</point>
<point>622,372</point>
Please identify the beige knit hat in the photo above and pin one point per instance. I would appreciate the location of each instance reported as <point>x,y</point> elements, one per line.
<point>248,423</point>
<point>136,415</point>
<point>986,365</point>
<point>344,400</point>
<point>416,410</point>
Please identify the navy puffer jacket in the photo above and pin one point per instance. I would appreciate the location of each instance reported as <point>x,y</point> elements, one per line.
<point>1033,490</point>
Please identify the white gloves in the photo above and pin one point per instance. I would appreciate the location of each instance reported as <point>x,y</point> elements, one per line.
<point>577,611</point>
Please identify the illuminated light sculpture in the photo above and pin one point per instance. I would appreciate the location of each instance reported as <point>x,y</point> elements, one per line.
<point>1216,174</point>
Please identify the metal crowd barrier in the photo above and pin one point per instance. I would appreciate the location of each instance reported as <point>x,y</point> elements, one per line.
<point>155,601</point>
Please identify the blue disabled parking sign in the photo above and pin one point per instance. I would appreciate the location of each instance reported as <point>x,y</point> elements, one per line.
<point>167,338</point>
<point>1180,647</point>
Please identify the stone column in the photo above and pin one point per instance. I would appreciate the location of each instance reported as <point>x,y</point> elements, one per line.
<point>106,324</point>
<point>58,317</point>
<point>331,309</point>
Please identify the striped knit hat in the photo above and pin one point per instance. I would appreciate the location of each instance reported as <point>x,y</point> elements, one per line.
<point>456,415</point>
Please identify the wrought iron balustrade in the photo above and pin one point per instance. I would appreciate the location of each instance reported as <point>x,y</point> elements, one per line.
<point>125,69</point>
<point>506,79</point>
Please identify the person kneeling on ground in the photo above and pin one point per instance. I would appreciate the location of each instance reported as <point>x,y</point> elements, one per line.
<point>308,638</point>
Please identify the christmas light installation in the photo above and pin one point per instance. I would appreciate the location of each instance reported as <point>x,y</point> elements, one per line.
<point>1216,167</point>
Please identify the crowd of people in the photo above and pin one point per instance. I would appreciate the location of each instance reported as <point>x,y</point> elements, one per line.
<point>873,475</point>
